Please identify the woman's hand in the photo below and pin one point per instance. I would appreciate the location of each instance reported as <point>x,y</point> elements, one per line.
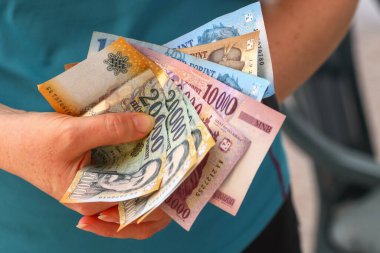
<point>107,223</point>
<point>47,149</point>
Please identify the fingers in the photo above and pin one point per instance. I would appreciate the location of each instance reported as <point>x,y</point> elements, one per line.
<point>88,209</point>
<point>134,231</point>
<point>111,129</point>
<point>112,215</point>
<point>156,215</point>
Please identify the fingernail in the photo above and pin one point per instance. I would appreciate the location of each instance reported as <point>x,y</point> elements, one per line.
<point>143,123</point>
<point>103,217</point>
<point>107,218</point>
<point>82,226</point>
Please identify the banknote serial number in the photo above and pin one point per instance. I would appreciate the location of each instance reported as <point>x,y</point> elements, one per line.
<point>58,100</point>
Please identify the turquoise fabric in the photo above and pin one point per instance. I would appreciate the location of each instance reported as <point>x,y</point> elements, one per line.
<point>36,39</point>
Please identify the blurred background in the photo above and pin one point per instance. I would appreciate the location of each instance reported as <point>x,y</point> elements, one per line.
<point>333,140</point>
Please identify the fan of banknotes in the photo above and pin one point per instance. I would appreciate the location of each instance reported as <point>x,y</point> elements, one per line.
<point>211,132</point>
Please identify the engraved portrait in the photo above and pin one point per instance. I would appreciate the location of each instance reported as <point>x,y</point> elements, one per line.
<point>228,56</point>
<point>95,183</point>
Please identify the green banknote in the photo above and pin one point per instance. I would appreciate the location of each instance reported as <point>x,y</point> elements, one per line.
<point>180,159</point>
<point>203,140</point>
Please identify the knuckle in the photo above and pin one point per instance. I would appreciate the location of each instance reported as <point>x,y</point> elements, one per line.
<point>67,136</point>
<point>82,209</point>
<point>114,125</point>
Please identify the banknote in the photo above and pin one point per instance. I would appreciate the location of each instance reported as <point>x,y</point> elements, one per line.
<point>68,66</point>
<point>181,157</point>
<point>201,135</point>
<point>130,170</point>
<point>203,140</point>
<point>185,204</point>
<point>250,85</point>
<point>224,99</point>
<point>239,22</point>
<point>127,159</point>
<point>124,171</point>
<point>78,89</point>
<point>259,123</point>
<point>238,52</point>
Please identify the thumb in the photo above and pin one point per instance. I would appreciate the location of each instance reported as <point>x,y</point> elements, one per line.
<point>112,129</point>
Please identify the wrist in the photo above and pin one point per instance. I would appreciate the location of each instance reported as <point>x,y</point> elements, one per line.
<point>8,129</point>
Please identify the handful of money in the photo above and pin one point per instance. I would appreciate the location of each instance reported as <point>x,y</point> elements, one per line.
<point>211,132</point>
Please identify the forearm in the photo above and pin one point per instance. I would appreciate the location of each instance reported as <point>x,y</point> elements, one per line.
<point>302,34</point>
<point>8,132</point>
<point>5,109</point>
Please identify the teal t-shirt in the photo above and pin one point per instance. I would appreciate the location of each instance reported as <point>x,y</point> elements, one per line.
<point>37,37</point>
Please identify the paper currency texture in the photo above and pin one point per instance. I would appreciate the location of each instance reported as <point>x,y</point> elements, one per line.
<point>245,20</point>
<point>239,52</point>
<point>251,85</point>
<point>130,170</point>
<point>259,123</point>
<point>185,204</point>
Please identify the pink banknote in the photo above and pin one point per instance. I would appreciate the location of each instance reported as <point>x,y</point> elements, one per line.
<point>259,123</point>
<point>185,204</point>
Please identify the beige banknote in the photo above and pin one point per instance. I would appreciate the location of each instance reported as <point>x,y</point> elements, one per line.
<point>240,52</point>
<point>89,82</point>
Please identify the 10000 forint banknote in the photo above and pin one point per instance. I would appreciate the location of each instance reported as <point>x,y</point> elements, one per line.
<point>185,204</point>
<point>239,52</point>
<point>259,123</point>
<point>239,22</point>
<point>250,85</point>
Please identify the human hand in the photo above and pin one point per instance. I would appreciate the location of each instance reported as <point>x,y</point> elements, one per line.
<point>47,149</point>
<point>107,223</point>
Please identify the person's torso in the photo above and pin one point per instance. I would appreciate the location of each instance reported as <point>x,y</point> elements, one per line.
<point>36,39</point>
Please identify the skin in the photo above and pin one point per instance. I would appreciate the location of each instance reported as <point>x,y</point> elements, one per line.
<point>302,35</point>
<point>47,149</point>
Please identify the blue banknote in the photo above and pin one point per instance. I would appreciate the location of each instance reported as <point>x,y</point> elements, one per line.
<point>239,22</point>
<point>250,85</point>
